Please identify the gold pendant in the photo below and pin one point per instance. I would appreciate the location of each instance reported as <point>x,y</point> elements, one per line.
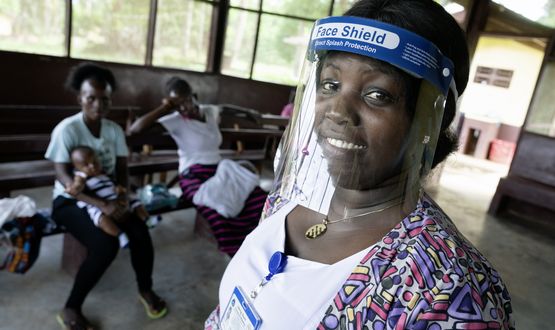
<point>316,231</point>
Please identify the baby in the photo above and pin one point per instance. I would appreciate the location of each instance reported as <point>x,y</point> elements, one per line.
<point>89,177</point>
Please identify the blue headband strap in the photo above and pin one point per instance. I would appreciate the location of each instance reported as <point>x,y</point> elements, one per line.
<point>399,47</point>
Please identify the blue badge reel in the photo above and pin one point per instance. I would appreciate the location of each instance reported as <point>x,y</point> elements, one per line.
<point>240,313</point>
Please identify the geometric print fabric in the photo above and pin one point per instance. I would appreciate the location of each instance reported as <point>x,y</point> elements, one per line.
<point>424,274</point>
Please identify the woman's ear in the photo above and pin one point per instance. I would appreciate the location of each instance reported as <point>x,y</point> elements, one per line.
<point>79,99</point>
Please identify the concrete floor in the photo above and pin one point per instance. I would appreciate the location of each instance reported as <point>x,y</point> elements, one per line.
<point>188,269</point>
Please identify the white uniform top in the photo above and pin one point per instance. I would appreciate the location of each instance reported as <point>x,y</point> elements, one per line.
<point>197,142</point>
<point>294,299</point>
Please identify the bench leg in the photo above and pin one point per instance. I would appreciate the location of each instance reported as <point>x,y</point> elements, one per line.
<point>498,199</point>
<point>73,254</point>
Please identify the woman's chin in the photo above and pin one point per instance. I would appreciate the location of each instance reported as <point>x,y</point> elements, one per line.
<point>353,181</point>
<point>345,181</point>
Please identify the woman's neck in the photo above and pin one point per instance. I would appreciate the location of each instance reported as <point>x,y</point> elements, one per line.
<point>388,201</point>
<point>93,126</point>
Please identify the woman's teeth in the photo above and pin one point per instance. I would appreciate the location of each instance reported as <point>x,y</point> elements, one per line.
<point>344,145</point>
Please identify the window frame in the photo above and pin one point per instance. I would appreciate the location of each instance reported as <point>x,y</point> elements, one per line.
<point>259,12</point>
<point>217,38</point>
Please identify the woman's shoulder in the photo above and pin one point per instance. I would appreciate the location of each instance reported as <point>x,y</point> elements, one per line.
<point>169,117</point>
<point>112,126</point>
<point>432,240</point>
<point>69,124</point>
<point>437,263</point>
<point>211,111</point>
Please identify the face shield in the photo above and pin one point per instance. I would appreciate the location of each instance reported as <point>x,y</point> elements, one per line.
<point>366,120</point>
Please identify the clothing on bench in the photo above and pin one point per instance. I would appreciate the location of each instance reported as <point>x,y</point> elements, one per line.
<point>229,232</point>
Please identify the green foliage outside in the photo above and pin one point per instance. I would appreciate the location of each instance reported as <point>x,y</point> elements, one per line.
<point>33,26</point>
<point>341,6</point>
<point>311,9</point>
<point>249,4</point>
<point>182,34</point>
<point>239,43</point>
<point>281,49</point>
<point>110,30</point>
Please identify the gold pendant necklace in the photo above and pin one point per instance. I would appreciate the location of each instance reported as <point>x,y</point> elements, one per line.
<point>320,229</point>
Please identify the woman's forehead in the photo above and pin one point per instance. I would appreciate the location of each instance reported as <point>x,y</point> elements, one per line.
<point>175,93</point>
<point>92,85</point>
<point>337,59</point>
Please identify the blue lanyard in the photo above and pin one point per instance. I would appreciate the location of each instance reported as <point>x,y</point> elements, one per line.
<point>275,266</point>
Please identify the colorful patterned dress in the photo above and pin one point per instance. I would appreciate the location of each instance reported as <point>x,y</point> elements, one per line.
<point>422,275</point>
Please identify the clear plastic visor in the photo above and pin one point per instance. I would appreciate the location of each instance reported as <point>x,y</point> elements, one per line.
<point>362,137</point>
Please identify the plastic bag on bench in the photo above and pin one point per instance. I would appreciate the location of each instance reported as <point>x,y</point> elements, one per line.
<point>156,196</point>
<point>20,206</point>
<point>20,243</point>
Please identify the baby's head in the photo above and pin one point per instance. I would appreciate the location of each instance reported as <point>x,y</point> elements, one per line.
<point>84,159</point>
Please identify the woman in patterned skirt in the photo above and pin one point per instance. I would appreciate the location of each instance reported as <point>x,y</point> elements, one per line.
<point>194,127</point>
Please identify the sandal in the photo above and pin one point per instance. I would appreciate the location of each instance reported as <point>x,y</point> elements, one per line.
<point>155,306</point>
<point>74,322</point>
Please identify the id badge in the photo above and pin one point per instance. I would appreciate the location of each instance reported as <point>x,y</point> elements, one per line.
<point>239,313</point>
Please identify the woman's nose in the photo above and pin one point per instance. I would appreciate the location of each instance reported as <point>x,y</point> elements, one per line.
<point>343,111</point>
<point>101,105</point>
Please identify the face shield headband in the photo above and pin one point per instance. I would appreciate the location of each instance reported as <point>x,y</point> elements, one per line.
<point>398,47</point>
<point>303,170</point>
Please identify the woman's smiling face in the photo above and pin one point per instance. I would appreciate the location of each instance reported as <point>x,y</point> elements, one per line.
<point>361,119</point>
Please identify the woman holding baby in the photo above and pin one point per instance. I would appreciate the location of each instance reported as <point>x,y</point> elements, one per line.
<point>94,86</point>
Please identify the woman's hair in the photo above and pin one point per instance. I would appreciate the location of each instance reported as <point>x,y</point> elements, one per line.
<point>429,20</point>
<point>87,70</point>
<point>179,86</point>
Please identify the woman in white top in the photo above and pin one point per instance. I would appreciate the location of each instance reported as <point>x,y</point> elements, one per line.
<point>351,241</point>
<point>194,128</point>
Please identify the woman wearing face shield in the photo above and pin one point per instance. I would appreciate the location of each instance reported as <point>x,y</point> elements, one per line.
<point>351,242</point>
<point>195,129</point>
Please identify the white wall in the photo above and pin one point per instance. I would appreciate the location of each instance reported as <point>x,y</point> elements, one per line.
<point>504,105</point>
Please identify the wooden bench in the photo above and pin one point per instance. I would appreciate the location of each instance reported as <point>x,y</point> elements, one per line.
<point>25,134</point>
<point>529,188</point>
<point>17,171</point>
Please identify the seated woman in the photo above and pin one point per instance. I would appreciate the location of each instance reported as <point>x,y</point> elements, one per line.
<point>194,127</point>
<point>351,241</point>
<point>94,86</point>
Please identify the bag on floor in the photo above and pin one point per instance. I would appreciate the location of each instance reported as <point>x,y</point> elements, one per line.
<point>156,196</point>
<point>20,243</point>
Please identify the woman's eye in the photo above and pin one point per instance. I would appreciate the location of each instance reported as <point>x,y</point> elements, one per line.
<point>329,86</point>
<point>378,96</point>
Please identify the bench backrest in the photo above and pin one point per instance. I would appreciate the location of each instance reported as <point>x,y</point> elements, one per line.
<point>25,130</point>
<point>37,119</point>
<point>535,158</point>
